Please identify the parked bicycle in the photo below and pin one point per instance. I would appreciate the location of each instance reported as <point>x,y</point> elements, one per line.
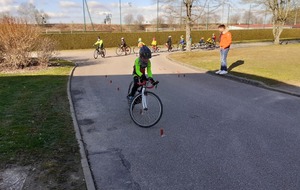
<point>101,52</point>
<point>146,108</point>
<point>123,50</point>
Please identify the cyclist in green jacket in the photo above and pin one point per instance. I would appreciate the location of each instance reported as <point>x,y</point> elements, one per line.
<point>99,44</point>
<point>141,64</point>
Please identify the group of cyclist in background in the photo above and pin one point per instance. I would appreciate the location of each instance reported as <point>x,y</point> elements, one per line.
<point>210,42</point>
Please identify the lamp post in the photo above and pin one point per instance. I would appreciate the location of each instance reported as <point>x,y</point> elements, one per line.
<point>207,16</point>
<point>228,16</point>
<point>120,4</point>
<point>83,8</point>
<point>157,15</point>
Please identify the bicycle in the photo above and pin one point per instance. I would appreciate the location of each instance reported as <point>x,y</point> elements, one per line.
<point>155,49</point>
<point>136,50</point>
<point>181,47</point>
<point>98,52</point>
<point>146,108</point>
<point>169,49</point>
<point>123,50</point>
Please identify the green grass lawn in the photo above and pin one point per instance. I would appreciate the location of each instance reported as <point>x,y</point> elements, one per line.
<point>36,128</point>
<point>273,65</point>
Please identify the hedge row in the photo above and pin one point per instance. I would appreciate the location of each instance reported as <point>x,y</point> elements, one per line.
<point>86,40</point>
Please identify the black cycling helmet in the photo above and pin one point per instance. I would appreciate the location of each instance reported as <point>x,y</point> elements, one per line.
<point>145,52</point>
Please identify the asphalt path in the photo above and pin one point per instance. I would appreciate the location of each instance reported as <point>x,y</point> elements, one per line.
<point>219,133</point>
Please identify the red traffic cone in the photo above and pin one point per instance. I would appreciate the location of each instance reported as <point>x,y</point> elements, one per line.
<point>162,132</point>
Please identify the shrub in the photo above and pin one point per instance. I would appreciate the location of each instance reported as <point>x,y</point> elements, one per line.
<point>17,40</point>
<point>45,50</point>
<point>86,40</point>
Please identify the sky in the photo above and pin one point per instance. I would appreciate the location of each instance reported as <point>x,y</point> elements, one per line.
<point>68,11</point>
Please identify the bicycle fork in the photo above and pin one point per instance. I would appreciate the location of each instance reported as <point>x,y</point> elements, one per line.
<point>144,100</point>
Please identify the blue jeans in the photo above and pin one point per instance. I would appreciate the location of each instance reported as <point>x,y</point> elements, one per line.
<point>224,53</point>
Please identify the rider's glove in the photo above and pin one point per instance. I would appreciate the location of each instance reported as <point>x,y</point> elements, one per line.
<point>151,80</point>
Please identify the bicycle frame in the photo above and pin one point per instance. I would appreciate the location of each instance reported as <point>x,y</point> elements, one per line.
<point>144,89</point>
<point>144,101</point>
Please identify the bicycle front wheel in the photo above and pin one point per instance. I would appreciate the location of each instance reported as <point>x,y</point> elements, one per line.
<point>96,54</point>
<point>119,51</point>
<point>146,117</point>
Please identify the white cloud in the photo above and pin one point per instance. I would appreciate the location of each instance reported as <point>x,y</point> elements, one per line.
<point>55,15</point>
<point>95,5</point>
<point>7,6</point>
<point>69,4</point>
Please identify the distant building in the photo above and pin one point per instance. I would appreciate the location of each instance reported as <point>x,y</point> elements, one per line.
<point>146,22</point>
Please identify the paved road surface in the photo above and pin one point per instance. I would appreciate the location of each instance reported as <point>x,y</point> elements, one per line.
<point>220,134</point>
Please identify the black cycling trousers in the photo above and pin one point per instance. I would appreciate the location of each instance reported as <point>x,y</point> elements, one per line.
<point>135,86</point>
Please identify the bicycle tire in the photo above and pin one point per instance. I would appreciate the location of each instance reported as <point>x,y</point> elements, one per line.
<point>119,51</point>
<point>130,87</point>
<point>96,54</point>
<point>136,111</point>
<point>103,52</point>
<point>128,50</point>
<point>136,50</point>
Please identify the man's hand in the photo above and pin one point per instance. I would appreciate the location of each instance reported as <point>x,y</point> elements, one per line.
<point>153,82</point>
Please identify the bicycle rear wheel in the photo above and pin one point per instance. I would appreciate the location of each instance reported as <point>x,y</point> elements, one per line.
<point>103,52</point>
<point>128,50</point>
<point>96,54</point>
<point>136,50</point>
<point>146,117</point>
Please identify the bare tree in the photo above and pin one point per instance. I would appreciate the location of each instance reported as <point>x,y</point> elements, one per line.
<point>199,7</point>
<point>170,20</point>
<point>280,10</point>
<point>215,18</point>
<point>235,18</point>
<point>294,15</point>
<point>249,17</point>
<point>128,19</point>
<point>140,19</point>
<point>30,13</point>
<point>160,21</point>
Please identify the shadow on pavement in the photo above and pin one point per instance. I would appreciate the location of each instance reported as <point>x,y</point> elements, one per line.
<point>236,64</point>
<point>255,80</point>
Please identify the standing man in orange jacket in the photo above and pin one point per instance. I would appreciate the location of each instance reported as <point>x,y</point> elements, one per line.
<point>225,42</point>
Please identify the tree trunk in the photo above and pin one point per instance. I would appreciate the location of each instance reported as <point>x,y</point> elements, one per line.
<point>188,35</point>
<point>277,30</point>
<point>188,20</point>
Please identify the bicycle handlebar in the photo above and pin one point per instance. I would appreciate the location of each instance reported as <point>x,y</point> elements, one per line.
<point>144,83</point>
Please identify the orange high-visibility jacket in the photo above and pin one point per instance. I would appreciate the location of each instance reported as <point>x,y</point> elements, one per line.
<point>225,40</point>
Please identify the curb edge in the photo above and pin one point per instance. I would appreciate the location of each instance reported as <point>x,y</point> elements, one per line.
<point>89,180</point>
